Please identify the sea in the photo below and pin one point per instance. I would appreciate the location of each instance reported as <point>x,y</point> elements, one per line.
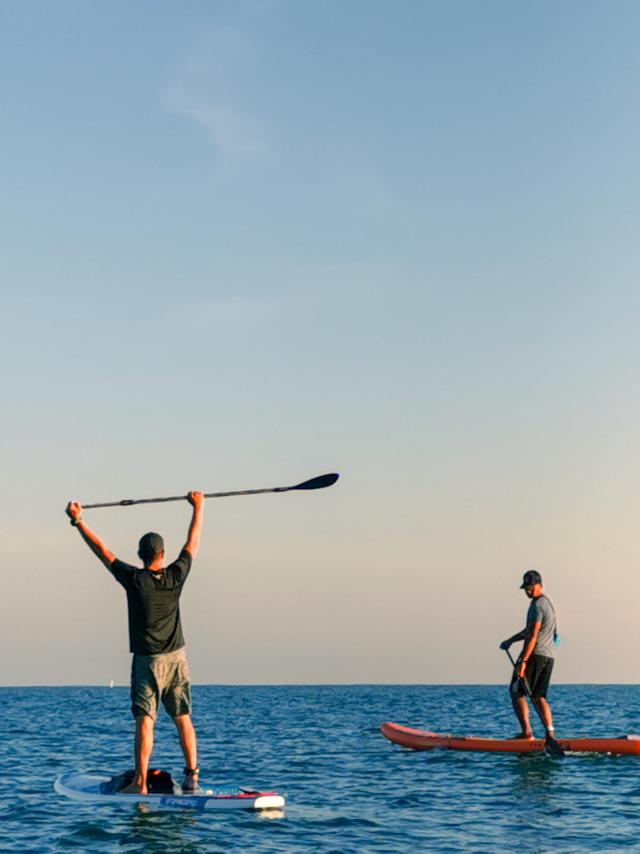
<point>348,789</point>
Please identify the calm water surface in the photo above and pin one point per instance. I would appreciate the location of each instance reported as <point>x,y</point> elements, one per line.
<point>348,789</point>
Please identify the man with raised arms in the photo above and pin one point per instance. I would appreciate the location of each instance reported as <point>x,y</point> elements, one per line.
<point>159,669</point>
<point>535,663</point>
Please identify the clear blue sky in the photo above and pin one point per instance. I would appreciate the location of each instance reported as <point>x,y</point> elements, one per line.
<point>242,244</point>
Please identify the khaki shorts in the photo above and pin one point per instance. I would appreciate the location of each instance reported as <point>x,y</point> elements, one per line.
<point>160,677</point>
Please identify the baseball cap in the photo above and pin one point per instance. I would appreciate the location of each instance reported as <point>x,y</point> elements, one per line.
<point>531,577</point>
<point>150,545</point>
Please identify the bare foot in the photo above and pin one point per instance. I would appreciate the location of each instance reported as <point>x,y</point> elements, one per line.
<point>133,789</point>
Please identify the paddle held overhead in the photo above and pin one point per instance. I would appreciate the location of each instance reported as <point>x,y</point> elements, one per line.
<point>319,482</point>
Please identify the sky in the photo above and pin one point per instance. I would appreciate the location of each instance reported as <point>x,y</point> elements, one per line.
<point>246,243</point>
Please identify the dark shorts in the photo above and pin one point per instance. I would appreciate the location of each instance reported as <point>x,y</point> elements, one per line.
<point>538,676</point>
<point>156,678</point>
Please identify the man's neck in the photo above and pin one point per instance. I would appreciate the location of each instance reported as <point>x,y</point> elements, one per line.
<point>155,565</point>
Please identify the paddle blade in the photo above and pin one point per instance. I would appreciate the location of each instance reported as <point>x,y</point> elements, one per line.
<point>317,482</point>
<point>553,747</point>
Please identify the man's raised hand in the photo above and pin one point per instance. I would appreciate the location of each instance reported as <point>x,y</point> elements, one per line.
<point>73,510</point>
<point>196,499</point>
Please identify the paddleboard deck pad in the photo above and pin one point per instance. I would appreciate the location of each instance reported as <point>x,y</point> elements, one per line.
<point>100,787</point>
<point>419,739</point>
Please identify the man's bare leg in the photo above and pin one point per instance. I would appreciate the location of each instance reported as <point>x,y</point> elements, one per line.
<point>188,742</point>
<point>521,708</point>
<point>545,711</point>
<point>143,751</point>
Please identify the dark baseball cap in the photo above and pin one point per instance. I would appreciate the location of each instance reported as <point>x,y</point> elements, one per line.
<point>150,546</point>
<point>530,578</point>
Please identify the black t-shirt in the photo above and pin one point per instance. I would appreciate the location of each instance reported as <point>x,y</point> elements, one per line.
<point>153,601</point>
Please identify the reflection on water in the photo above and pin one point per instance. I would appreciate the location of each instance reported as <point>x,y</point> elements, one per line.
<point>534,775</point>
<point>178,831</point>
<point>271,814</point>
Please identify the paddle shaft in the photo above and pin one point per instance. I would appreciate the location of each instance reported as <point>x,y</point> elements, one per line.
<point>319,482</point>
<point>551,741</point>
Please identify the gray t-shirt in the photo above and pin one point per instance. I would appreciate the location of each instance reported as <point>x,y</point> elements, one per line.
<point>541,611</point>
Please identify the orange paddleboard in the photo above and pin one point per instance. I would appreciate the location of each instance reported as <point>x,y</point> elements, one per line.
<point>420,739</point>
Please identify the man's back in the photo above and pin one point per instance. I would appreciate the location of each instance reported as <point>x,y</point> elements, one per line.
<point>153,604</point>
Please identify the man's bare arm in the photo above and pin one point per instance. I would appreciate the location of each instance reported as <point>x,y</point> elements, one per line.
<point>74,512</point>
<point>529,646</point>
<point>196,499</point>
<point>520,636</point>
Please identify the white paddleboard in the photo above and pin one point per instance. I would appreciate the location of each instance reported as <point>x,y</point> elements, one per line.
<point>94,786</point>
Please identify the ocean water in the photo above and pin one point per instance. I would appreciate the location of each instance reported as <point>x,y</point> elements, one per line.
<point>349,790</point>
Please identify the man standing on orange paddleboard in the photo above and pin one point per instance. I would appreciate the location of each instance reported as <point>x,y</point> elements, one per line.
<point>159,670</point>
<point>532,673</point>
